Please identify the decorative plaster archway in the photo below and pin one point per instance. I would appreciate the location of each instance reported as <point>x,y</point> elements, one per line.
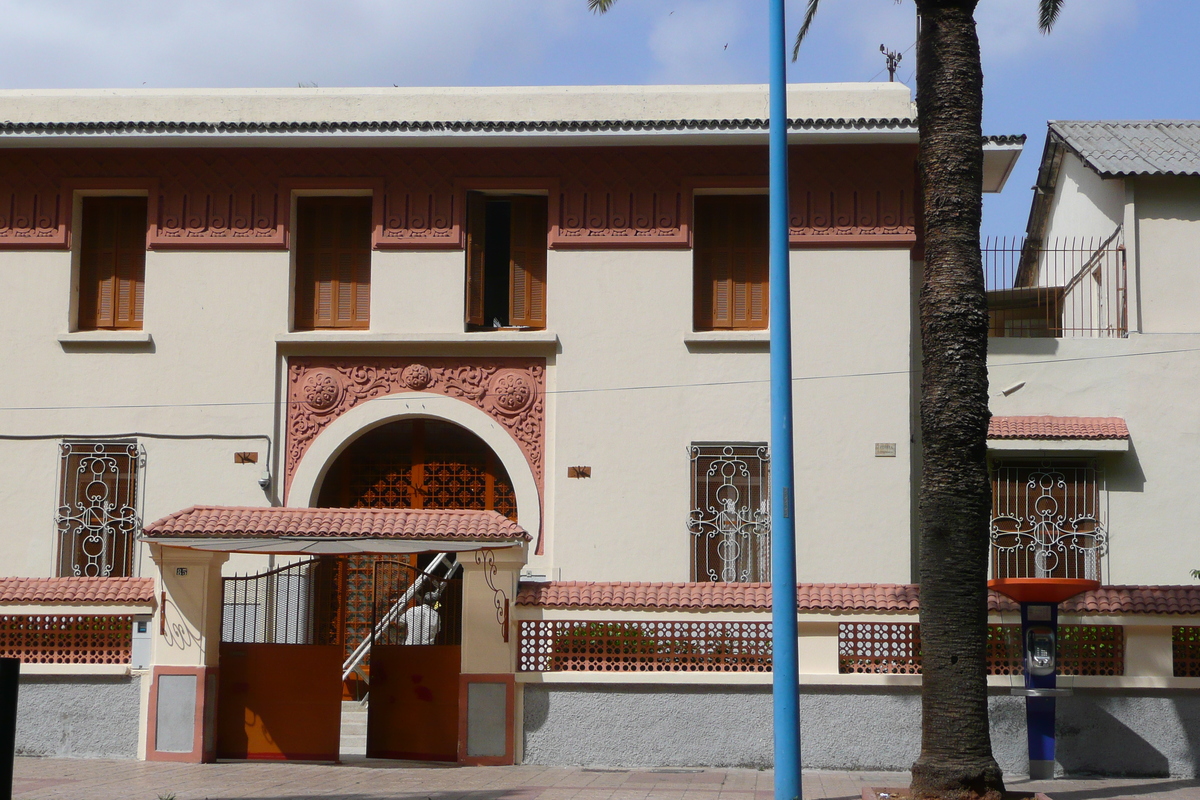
<point>332,441</point>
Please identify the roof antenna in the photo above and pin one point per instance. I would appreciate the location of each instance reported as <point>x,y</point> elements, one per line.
<point>893,61</point>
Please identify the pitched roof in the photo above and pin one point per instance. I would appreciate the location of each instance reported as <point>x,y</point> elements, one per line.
<point>1046,427</point>
<point>217,522</point>
<point>1151,147</point>
<point>76,590</point>
<point>874,597</point>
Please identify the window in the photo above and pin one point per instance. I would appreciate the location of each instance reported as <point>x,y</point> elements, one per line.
<point>730,262</point>
<point>730,522</point>
<point>1049,519</point>
<point>333,262</point>
<point>98,510</point>
<point>112,263</point>
<point>506,261</point>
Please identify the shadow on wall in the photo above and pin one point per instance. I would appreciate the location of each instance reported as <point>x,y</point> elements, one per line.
<point>1124,473</point>
<point>1092,740</point>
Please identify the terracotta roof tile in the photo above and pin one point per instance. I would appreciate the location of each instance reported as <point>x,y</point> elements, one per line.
<point>217,522</point>
<point>873,597</point>
<point>1046,427</point>
<point>76,590</point>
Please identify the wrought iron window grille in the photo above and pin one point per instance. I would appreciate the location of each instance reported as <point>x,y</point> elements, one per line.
<point>730,518</point>
<point>1049,519</point>
<point>99,510</point>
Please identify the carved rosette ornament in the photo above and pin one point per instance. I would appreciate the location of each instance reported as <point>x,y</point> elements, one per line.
<point>510,390</point>
<point>416,377</point>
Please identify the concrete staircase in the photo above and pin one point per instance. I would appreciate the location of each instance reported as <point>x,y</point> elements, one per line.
<point>354,729</point>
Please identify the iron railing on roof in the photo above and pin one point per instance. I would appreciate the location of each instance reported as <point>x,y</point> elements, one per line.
<point>1071,288</point>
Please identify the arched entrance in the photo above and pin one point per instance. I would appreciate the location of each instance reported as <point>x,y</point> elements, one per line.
<point>332,604</point>
<point>416,463</point>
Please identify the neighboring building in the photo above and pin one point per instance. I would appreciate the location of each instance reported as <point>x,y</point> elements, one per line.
<point>314,337</point>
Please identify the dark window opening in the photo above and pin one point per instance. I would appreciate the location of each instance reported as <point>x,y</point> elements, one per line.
<point>506,262</point>
<point>497,249</point>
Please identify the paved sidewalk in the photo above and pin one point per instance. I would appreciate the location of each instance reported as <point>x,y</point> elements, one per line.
<point>83,779</point>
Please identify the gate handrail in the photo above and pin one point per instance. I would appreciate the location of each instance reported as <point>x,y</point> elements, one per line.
<point>360,653</point>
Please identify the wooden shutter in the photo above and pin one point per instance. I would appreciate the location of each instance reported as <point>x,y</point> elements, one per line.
<point>333,262</point>
<point>476,242</point>
<point>730,259</point>
<point>112,263</point>
<point>527,261</point>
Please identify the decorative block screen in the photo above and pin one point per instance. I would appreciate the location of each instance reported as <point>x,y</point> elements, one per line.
<point>1185,651</point>
<point>598,646</point>
<point>895,648</point>
<point>879,647</point>
<point>66,639</point>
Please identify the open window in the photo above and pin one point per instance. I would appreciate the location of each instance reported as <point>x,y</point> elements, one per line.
<point>333,262</point>
<point>112,263</point>
<point>506,261</point>
<point>730,252</point>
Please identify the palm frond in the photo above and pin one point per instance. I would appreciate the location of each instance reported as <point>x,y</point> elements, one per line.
<point>808,18</point>
<point>600,6</point>
<point>1048,14</point>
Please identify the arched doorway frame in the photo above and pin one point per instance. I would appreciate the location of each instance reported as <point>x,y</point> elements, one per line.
<point>314,465</point>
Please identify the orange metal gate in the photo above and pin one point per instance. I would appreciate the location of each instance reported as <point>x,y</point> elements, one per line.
<point>413,709</point>
<point>415,662</point>
<point>279,701</point>
<point>279,689</point>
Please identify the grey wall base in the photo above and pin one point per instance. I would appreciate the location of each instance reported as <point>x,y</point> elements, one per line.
<point>93,716</point>
<point>1128,733</point>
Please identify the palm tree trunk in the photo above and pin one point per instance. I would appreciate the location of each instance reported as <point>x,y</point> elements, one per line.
<point>955,501</point>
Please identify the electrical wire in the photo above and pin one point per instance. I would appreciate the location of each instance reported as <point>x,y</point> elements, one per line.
<point>591,390</point>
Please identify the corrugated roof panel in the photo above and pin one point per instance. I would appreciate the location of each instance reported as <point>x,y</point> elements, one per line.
<point>1118,148</point>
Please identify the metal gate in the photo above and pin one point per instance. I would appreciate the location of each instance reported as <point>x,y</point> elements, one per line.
<point>279,687</point>
<point>412,711</point>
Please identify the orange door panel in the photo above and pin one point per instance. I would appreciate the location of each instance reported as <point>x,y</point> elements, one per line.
<point>279,701</point>
<point>413,712</point>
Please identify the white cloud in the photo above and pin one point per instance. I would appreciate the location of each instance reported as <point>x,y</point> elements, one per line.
<point>264,42</point>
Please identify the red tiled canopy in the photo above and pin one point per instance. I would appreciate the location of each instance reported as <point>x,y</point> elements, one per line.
<point>1046,427</point>
<point>871,597</point>
<point>76,590</point>
<point>335,530</point>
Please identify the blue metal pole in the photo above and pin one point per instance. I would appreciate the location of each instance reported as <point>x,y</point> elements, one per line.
<point>785,659</point>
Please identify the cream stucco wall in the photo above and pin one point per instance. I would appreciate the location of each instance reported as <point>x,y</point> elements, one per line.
<point>1151,382</point>
<point>631,395</point>
<point>630,389</point>
<point>1085,205</point>
<point>1168,253</point>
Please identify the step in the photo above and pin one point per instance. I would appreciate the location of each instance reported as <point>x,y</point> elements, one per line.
<point>353,739</point>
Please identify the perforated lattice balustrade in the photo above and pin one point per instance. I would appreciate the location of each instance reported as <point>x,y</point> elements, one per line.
<point>895,648</point>
<point>601,646</point>
<point>66,638</point>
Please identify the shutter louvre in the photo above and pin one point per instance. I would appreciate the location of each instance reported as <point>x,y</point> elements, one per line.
<point>333,262</point>
<point>730,262</point>
<point>527,253</point>
<point>476,243</point>
<point>112,262</point>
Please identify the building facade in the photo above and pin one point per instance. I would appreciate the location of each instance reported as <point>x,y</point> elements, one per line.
<point>272,351</point>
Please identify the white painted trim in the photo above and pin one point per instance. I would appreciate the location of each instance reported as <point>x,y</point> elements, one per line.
<point>708,337</point>
<point>105,337</point>
<point>75,669</point>
<point>531,341</point>
<point>819,679</point>
<point>80,609</point>
<point>1060,445</point>
<point>331,442</point>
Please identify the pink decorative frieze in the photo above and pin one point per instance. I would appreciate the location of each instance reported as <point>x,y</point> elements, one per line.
<point>862,194</point>
<point>510,390</point>
<point>32,215</point>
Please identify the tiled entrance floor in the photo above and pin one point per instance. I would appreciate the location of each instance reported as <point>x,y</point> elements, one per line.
<point>86,779</point>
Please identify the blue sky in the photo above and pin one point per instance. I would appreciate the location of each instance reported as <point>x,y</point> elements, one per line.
<point>1107,59</point>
